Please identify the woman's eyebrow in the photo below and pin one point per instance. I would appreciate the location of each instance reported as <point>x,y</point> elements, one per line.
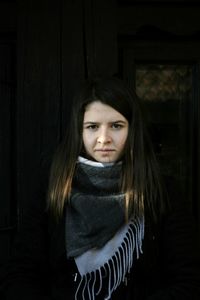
<point>90,122</point>
<point>118,121</point>
<point>114,121</point>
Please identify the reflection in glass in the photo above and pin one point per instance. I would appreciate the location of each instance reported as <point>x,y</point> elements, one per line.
<point>163,82</point>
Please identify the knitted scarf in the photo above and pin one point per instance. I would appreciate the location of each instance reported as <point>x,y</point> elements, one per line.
<point>97,236</point>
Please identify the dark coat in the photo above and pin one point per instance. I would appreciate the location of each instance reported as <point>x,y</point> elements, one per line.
<point>168,269</point>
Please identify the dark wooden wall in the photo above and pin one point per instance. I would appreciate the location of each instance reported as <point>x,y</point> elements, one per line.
<point>46,49</point>
<point>8,205</point>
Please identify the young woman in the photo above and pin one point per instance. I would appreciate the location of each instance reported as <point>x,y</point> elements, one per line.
<point>113,227</point>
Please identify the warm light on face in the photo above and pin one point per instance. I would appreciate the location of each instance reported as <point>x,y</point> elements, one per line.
<point>105,132</point>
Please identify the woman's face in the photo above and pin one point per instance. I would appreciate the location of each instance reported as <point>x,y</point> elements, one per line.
<point>105,131</point>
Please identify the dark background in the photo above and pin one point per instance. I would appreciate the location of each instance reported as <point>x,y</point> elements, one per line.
<point>48,47</point>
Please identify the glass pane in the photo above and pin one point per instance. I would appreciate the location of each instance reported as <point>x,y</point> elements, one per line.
<point>163,82</point>
<point>166,91</point>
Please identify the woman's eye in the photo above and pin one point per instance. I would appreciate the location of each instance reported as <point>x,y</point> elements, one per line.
<point>92,127</point>
<point>116,126</point>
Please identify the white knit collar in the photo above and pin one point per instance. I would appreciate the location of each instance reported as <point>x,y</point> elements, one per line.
<point>89,162</point>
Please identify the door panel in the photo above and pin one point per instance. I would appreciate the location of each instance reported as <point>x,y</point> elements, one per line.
<point>7,147</point>
<point>166,92</point>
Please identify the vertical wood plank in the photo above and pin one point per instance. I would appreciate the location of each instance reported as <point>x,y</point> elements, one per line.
<point>101,37</point>
<point>38,92</point>
<point>72,54</point>
<point>7,102</point>
<point>196,140</point>
<point>5,132</point>
<point>106,48</point>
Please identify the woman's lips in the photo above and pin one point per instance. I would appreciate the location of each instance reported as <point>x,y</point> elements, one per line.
<point>104,150</point>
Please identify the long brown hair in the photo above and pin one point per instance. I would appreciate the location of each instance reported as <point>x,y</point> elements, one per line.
<point>140,180</point>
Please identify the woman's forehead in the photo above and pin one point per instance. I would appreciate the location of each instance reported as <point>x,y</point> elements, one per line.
<point>101,111</point>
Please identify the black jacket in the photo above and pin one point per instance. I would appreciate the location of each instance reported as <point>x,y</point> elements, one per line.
<point>168,269</point>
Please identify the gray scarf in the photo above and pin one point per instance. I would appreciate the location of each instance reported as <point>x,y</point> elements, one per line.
<point>96,234</point>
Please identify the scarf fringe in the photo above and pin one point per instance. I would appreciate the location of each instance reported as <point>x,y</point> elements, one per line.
<point>116,269</point>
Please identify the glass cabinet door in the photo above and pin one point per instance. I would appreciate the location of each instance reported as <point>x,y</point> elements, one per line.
<point>166,92</point>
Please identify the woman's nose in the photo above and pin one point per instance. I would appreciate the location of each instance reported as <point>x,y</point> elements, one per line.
<point>104,137</point>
